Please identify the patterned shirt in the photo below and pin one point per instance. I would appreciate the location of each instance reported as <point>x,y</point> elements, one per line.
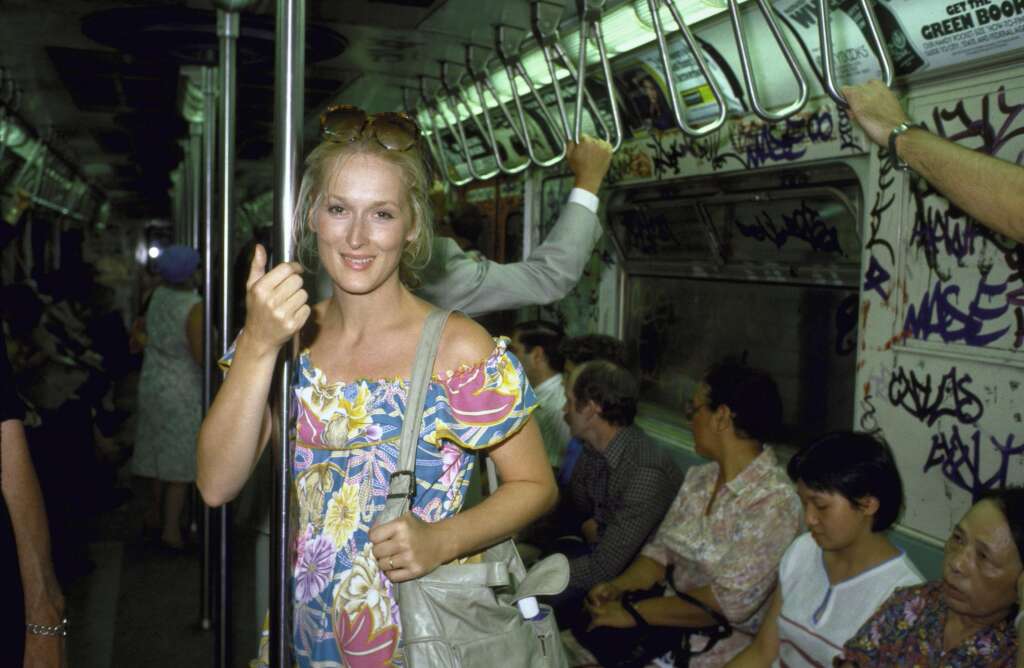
<point>908,631</point>
<point>345,450</point>
<point>735,548</point>
<point>627,491</point>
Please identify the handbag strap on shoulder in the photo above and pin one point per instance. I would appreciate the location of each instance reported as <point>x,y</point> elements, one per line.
<point>402,486</point>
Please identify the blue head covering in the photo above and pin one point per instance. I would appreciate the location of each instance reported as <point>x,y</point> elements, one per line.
<point>177,263</point>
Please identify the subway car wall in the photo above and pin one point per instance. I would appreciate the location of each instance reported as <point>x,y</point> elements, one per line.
<point>794,244</point>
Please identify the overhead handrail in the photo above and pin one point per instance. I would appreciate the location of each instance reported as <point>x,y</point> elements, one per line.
<point>702,65</point>
<point>514,68</point>
<point>454,99</point>
<point>544,20</point>
<point>748,72</point>
<point>413,110</point>
<point>431,109</point>
<point>828,59</point>
<point>481,84</point>
<point>590,21</point>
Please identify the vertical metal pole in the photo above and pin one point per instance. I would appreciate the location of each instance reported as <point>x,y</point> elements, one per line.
<point>289,89</point>
<point>195,160</point>
<point>227,31</point>
<point>208,175</point>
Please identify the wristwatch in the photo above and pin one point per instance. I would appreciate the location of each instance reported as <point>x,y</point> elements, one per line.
<point>894,158</point>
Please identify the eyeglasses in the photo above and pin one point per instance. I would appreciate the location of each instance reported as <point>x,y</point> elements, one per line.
<point>692,409</point>
<point>393,130</point>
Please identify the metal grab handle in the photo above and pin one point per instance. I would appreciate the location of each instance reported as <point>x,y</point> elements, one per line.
<point>748,73</point>
<point>591,21</point>
<point>513,68</point>
<point>827,59</point>
<point>702,65</point>
<point>482,83</point>
<point>454,99</point>
<point>428,137</point>
<point>544,19</point>
<point>443,161</point>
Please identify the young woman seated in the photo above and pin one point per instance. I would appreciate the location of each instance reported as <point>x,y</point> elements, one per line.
<point>967,619</point>
<point>833,577</point>
<point>719,545</point>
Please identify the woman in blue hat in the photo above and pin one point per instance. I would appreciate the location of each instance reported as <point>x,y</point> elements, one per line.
<point>170,393</point>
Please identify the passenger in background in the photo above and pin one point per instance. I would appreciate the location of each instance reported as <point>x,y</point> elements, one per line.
<point>836,575</point>
<point>170,394</point>
<point>719,546</point>
<point>988,189</point>
<point>621,487</point>
<point>967,619</point>
<point>575,351</point>
<point>536,344</point>
<point>469,282</point>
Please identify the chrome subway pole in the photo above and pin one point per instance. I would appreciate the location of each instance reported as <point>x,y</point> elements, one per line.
<point>289,90</point>
<point>209,165</point>
<point>195,160</point>
<point>227,33</point>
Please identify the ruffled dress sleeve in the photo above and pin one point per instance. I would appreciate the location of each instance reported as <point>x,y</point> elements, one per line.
<point>479,406</point>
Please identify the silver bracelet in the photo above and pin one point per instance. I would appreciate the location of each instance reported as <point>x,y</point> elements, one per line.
<point>57,630</point>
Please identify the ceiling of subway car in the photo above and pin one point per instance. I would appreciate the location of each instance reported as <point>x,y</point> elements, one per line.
<point>102,80</point>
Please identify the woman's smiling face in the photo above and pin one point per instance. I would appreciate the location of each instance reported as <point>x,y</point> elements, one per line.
<point>363,223</point>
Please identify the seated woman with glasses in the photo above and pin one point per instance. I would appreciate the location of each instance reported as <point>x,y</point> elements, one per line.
<point>718,547</point>
<point>363,208</point>
<point>836,575</point>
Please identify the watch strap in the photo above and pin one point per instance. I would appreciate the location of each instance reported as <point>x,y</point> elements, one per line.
<point>894,158</point>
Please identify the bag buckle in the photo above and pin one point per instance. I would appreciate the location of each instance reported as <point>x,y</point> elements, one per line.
<point>411,494</point>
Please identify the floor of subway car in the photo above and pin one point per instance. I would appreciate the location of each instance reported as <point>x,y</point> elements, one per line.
<point>139,605</point>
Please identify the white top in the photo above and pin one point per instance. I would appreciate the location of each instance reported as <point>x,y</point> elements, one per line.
<point>816,617</point>
<point>551,418</point>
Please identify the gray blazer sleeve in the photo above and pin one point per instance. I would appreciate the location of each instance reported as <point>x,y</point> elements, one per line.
<point>466,282</point>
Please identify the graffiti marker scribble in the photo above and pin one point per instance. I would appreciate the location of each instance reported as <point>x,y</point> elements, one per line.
<point>960,462</point>
<point>927,401</point>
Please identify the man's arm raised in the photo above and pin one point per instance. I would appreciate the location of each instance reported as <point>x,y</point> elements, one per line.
<point>989,189</point>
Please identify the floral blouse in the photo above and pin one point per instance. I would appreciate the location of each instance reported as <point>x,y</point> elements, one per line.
<point>734,548</point>
<point>346,448</point>
<point>907,631</point>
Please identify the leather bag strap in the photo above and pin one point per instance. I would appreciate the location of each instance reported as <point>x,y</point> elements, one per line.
<point>402,486</point>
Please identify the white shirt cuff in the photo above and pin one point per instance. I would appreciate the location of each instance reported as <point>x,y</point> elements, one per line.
<point>585,198</point>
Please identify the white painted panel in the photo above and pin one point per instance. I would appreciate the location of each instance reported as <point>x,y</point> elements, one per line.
<point>942,326</point>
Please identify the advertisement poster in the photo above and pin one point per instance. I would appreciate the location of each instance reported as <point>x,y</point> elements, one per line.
<point>948,33</point>
<point>645,93</point>
<point>920,35</point>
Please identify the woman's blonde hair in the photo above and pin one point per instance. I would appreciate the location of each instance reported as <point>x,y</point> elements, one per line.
<point>323,164</point>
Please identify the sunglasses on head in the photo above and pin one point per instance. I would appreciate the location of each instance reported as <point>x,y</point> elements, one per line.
<point>393,130</point>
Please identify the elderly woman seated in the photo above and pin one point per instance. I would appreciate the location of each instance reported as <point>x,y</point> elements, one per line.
<point>719,545</point>
<point>967,619</point>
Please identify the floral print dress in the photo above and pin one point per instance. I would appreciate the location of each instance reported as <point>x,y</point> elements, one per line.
<point>907,631</point>
<point>346,448</point>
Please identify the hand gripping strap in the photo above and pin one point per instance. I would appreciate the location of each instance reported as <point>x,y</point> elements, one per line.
<point>402,486</point>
